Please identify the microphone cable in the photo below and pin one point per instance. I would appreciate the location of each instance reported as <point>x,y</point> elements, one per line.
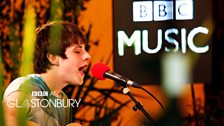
<point>153,97</point>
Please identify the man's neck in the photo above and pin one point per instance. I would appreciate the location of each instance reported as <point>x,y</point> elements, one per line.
<point>54,82</point>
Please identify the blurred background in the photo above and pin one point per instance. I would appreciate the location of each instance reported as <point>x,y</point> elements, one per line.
<point>174,49</point>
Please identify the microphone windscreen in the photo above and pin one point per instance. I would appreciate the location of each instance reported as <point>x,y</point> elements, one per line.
<point>98,70</point>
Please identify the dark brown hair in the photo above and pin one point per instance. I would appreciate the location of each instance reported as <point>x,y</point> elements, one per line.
<point>54,38</point>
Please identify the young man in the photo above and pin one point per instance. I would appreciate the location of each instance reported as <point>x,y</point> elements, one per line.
<point>59,59</point>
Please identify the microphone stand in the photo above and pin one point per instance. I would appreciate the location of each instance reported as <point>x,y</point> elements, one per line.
<point>138,105</point>
<point>123,81</point>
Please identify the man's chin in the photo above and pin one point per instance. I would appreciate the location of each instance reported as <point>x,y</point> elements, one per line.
<point>80,83</point>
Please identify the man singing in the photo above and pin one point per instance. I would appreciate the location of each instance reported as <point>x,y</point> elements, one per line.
<point>59,59</point>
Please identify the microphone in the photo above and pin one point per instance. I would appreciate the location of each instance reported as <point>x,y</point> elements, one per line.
<point>101,72</point>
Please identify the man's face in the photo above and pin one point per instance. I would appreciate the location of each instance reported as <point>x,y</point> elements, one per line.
<point>71,68</point>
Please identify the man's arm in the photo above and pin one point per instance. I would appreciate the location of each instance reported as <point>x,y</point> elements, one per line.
<point>13,108</point>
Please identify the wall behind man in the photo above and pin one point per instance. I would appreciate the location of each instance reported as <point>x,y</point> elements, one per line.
<point>99,15</point>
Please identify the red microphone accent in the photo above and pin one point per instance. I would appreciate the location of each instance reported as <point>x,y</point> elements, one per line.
<point>98,70</point>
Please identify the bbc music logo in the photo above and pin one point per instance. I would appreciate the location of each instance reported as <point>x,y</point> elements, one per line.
<point>162,10</point>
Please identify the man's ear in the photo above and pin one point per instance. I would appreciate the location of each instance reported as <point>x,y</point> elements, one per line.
<point>54,59</point>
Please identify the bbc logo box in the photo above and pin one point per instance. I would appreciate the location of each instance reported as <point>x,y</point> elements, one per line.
<point>162,10</point>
